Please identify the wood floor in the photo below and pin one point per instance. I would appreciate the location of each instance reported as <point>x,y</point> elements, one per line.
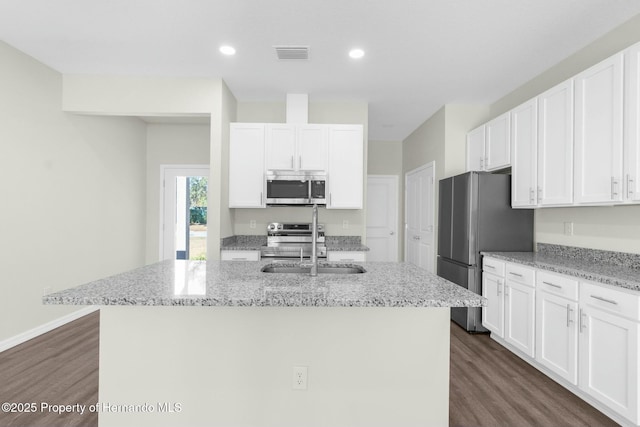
<point>489,385</point>
<point>59,367</point>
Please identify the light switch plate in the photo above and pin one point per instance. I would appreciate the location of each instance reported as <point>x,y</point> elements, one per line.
<point>568,228</point>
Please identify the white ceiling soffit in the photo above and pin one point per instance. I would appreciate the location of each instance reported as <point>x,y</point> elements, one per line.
<point>292,53</point>
<point>420,54</point>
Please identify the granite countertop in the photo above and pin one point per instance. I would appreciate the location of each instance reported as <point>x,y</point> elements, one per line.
<point>241,283</point>
<point>584,268</point>
<point>254,243</point>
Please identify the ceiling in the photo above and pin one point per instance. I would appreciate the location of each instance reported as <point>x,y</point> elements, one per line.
<point>420,54</point>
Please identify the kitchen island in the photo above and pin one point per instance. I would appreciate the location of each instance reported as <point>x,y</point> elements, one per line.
<point>214,343</point>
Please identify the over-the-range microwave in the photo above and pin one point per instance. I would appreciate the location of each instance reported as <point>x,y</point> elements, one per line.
<point>296,189</point>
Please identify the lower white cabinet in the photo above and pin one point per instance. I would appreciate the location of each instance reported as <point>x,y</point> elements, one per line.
<point>346,256</point>
<point>556,325</point>
<point>239,255</point>
<point>493,313</point>
<point>519,316</point>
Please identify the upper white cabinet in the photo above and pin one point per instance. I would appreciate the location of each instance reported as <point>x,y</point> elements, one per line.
<point>346,167</point>
<point>555,146</point>
<point>497,144</point>
<point>524,155</point>
<point>296,147</point>
<point>246,165</point>
<point>631,184</point>
<point>598,132</point>
<point>488,147</point>
<point>475,149</point>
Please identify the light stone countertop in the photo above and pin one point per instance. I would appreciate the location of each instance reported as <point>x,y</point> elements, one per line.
<point>254,243</point>
<point>241,283</point>
<point>588,269</point>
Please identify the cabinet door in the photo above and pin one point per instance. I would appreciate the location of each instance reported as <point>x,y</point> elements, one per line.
<point>497,145</point>
<point>246,165</point>
<point>557,335</point>
<point>281,147</point>
<point>346,256</point>
<point>609,360</point>
<point>493,313</point>
<point>555,146</point>
<point>475,149</point>
<point>519,317</point>
<point>598,132</point>
<point>346,158</point>
<point>311,147</point>
<point>239,255</point>
<point>524,155</point>
<point>632,124</point>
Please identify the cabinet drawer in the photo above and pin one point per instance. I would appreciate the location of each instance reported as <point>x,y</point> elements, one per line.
<point>557,284</point>
<point>493,266</point>
<point>518,273</point>
<point>240,255</point>
<point>345,256</point>
<point>615,301</point>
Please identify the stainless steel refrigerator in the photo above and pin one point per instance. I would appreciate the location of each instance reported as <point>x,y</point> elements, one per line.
<point>475,215</point>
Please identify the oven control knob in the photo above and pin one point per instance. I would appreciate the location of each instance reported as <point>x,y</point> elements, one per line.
<point>279,226</point>
<point>271,226</point>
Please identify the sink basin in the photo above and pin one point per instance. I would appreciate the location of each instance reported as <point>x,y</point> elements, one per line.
<point>322,269</point>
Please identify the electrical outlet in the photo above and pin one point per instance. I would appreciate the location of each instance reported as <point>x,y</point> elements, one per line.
<point>568,228</point>
<point>252,223</point>
<point>299,378</point>
<point>345,224</point>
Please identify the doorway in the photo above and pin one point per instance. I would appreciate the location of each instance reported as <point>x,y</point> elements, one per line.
<point>419,217</point>
<point>183,212</point>
<point>382,218</point>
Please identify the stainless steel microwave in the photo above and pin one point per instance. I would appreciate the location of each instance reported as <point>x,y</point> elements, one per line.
<point>287,189</point>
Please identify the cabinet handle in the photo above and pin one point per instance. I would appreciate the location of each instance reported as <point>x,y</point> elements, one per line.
<point>569,315</point>
<point>613,188</point>
<point>506,291</point>
<point>581,321</point>
<point>498,287</point>
<point>552,284</point>
<point>299,162</point>
<point>330,199</point>
<point>490,266</point>
<point>481,163</point>
<point>610,301</point>
<point>532,195</point>
<point>238,259</point>
<point>629,186</point>
<point>539,193</point>
<point>515,274</point>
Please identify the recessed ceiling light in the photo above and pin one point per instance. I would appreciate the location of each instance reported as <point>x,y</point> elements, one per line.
<point>356,53</point>
<point>227,50</point>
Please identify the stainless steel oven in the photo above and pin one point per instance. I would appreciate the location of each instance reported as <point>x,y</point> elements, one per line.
<point>292,240</point>
<point>286,189</point>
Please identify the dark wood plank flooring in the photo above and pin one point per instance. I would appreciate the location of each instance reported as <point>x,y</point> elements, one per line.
<point>59,367</point>
<point>489,385</point>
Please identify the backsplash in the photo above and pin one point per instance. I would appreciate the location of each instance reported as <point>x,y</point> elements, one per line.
<point>342,240</point>
<point>256,240</point>
<point>621,259</point>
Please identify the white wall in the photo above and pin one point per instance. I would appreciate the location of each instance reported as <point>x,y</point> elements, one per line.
<point>608,228</point>
<point>319,112</point>
<point>73,194</point>
<point>169,144</point>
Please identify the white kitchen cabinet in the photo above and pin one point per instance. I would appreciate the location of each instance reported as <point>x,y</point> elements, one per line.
<point>609,349</point>
<point>475,149</point>
<point>497,146</point>
<point>598,133</point>
<point>246,165</point>
<point>296,147</point>
<point>239,255</point>
<point>556,325</point>
<point>524,155</point>
<point>493,290</point>
<point>346,167</point>
<point>346,256</point>
<point>555,146</point>
<point>632,125</point>
<point>519,308</point>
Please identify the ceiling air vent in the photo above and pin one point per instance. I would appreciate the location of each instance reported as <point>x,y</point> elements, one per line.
<point>292,53</point>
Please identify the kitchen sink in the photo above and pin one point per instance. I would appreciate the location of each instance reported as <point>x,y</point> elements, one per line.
<point>322,269</point>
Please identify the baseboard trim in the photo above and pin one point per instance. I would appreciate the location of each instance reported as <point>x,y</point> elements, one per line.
<point>42,329</point>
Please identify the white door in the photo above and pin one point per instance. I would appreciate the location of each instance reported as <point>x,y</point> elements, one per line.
<point>280,147</point>
<point>632,124</point>
<point>557,335</point>
<point>475,149</point>
<point>524,154</point>
<point>312,147</point>
<point>246,165</point>
<point>382,218</point>
<point>493,312</point>
<point>497,144</point>
<point>608,359</point>
<point>555,145</point>
<point>419,210</point>
<point>519,316</point>
<point>598,132</point>
<point>346,167</point>
<point>183,227</point>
